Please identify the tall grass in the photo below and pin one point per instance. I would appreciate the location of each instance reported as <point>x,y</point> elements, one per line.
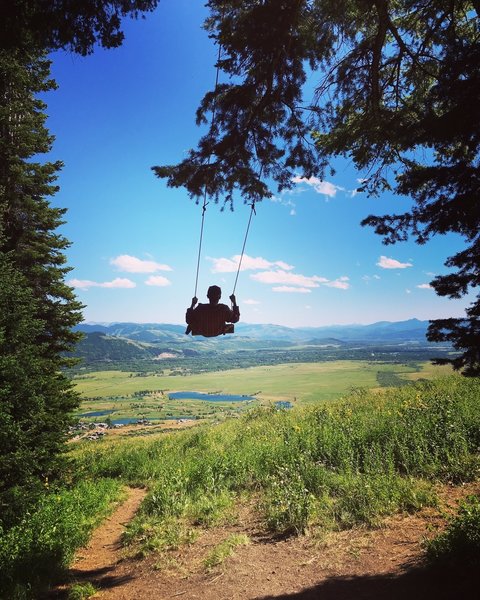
<point>322,467</point>
<point>460,542</point>
<point>36,551</point>
<point>339,465</point>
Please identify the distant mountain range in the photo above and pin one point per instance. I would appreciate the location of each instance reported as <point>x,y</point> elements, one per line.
<point>120,342</point>
<point>412,330</point>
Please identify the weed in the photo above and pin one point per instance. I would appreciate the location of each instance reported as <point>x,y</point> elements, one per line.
<point>460,542</point>
<point>37,551</point>
<point>81,591</point>
<point>225,549</point>
<point>146,534</point>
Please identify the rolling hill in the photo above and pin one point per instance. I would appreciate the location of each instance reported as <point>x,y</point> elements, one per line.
<point>412,330</point>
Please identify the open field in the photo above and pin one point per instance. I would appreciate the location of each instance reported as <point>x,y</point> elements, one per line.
<point>140,395</point>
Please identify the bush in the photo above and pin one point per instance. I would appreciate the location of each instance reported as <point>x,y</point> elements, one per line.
<point>36,552</point>
<point>460,542</point>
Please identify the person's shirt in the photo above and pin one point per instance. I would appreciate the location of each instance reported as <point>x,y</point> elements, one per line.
<point>209,319</point>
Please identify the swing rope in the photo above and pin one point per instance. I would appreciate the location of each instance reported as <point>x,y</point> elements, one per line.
<point>205,203</point>
<point>252,212</point>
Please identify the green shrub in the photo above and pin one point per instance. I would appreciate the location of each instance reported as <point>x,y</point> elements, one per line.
<point>460,542</point>
<point>81,591</point>
<point>36,552</point>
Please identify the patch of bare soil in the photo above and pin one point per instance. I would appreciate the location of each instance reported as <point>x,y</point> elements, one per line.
<point>360,564</point>
<point>96,563</point>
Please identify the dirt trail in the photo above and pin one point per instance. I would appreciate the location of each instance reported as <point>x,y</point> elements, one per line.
<point>96,562</point>
<point>103,550</point>
<point>360,564</point>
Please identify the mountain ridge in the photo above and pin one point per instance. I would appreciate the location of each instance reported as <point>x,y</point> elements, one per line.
<point>381,331</point>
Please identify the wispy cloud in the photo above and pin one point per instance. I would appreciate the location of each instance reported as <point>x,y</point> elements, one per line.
<point>249,263</point>
<point>85,284</point>
<point>370,277</point>
<point>285,277</point>
<point>132,264</point>
<point>158,280</point>
<point>285,202</point>
<point>424,286</point>
<point>341,283</point>
<point>392,263</point>
<point>250,301</point>
<point>321,187</point>
<point>290,289</point>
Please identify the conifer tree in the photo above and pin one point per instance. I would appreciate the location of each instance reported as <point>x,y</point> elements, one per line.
<point>38,311</point>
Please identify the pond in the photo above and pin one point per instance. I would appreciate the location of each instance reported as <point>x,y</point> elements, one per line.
<point>209,397</point>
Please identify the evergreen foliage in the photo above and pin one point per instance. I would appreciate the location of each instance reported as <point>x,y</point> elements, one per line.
<point>397,88</point>
<point>77,26</point>
<point>38,309</point>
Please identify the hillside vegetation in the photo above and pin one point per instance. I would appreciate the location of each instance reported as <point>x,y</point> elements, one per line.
<point>313,469</point>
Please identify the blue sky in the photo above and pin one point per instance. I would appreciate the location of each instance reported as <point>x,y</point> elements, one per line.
<point>135,242</point>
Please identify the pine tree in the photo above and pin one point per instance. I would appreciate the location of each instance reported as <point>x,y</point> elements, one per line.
<point>38,309</point>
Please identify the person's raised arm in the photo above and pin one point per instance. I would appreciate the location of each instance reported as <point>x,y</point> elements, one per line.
<point>235,309</point>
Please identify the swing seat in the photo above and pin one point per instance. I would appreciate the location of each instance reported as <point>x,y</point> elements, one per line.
<point>205,332</point>
<point>208,321</point>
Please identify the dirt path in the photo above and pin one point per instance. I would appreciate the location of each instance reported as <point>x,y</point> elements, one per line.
<point>104,548</point>
<point>97,562</point>
<point>360,564</point>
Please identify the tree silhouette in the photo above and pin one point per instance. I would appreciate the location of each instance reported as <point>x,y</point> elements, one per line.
<point>396,91</point>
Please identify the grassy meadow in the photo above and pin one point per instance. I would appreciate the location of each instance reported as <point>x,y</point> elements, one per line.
<point>139,395</point>
<point>317,467</point>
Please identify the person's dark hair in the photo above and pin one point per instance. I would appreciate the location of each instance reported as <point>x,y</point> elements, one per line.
<point>214,292</point>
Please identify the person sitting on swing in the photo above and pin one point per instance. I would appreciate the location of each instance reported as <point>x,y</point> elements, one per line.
<point>212,319</point>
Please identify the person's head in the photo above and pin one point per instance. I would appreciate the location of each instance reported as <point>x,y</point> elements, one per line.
<point>214,294</point>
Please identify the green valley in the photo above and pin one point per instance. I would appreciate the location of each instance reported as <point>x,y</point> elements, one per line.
<point>146,395</point>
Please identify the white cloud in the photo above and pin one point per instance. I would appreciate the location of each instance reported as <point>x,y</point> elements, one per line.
<point>158,280</point>
<point>85,284</point>
<point>391,263</point>
<point>341,283</point>
<point>283,277</point>
<point>370,277</point>
<point>424,286</point>
<point>407,291</point>
<point>250,301</point>
<point>131,264</point>
<point>291,289</point>
<point>321,187</point>
<point>119,282</point>
<point>249,263</point>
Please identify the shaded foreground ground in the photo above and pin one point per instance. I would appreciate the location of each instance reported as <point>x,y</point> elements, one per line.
<point>385,563</point>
